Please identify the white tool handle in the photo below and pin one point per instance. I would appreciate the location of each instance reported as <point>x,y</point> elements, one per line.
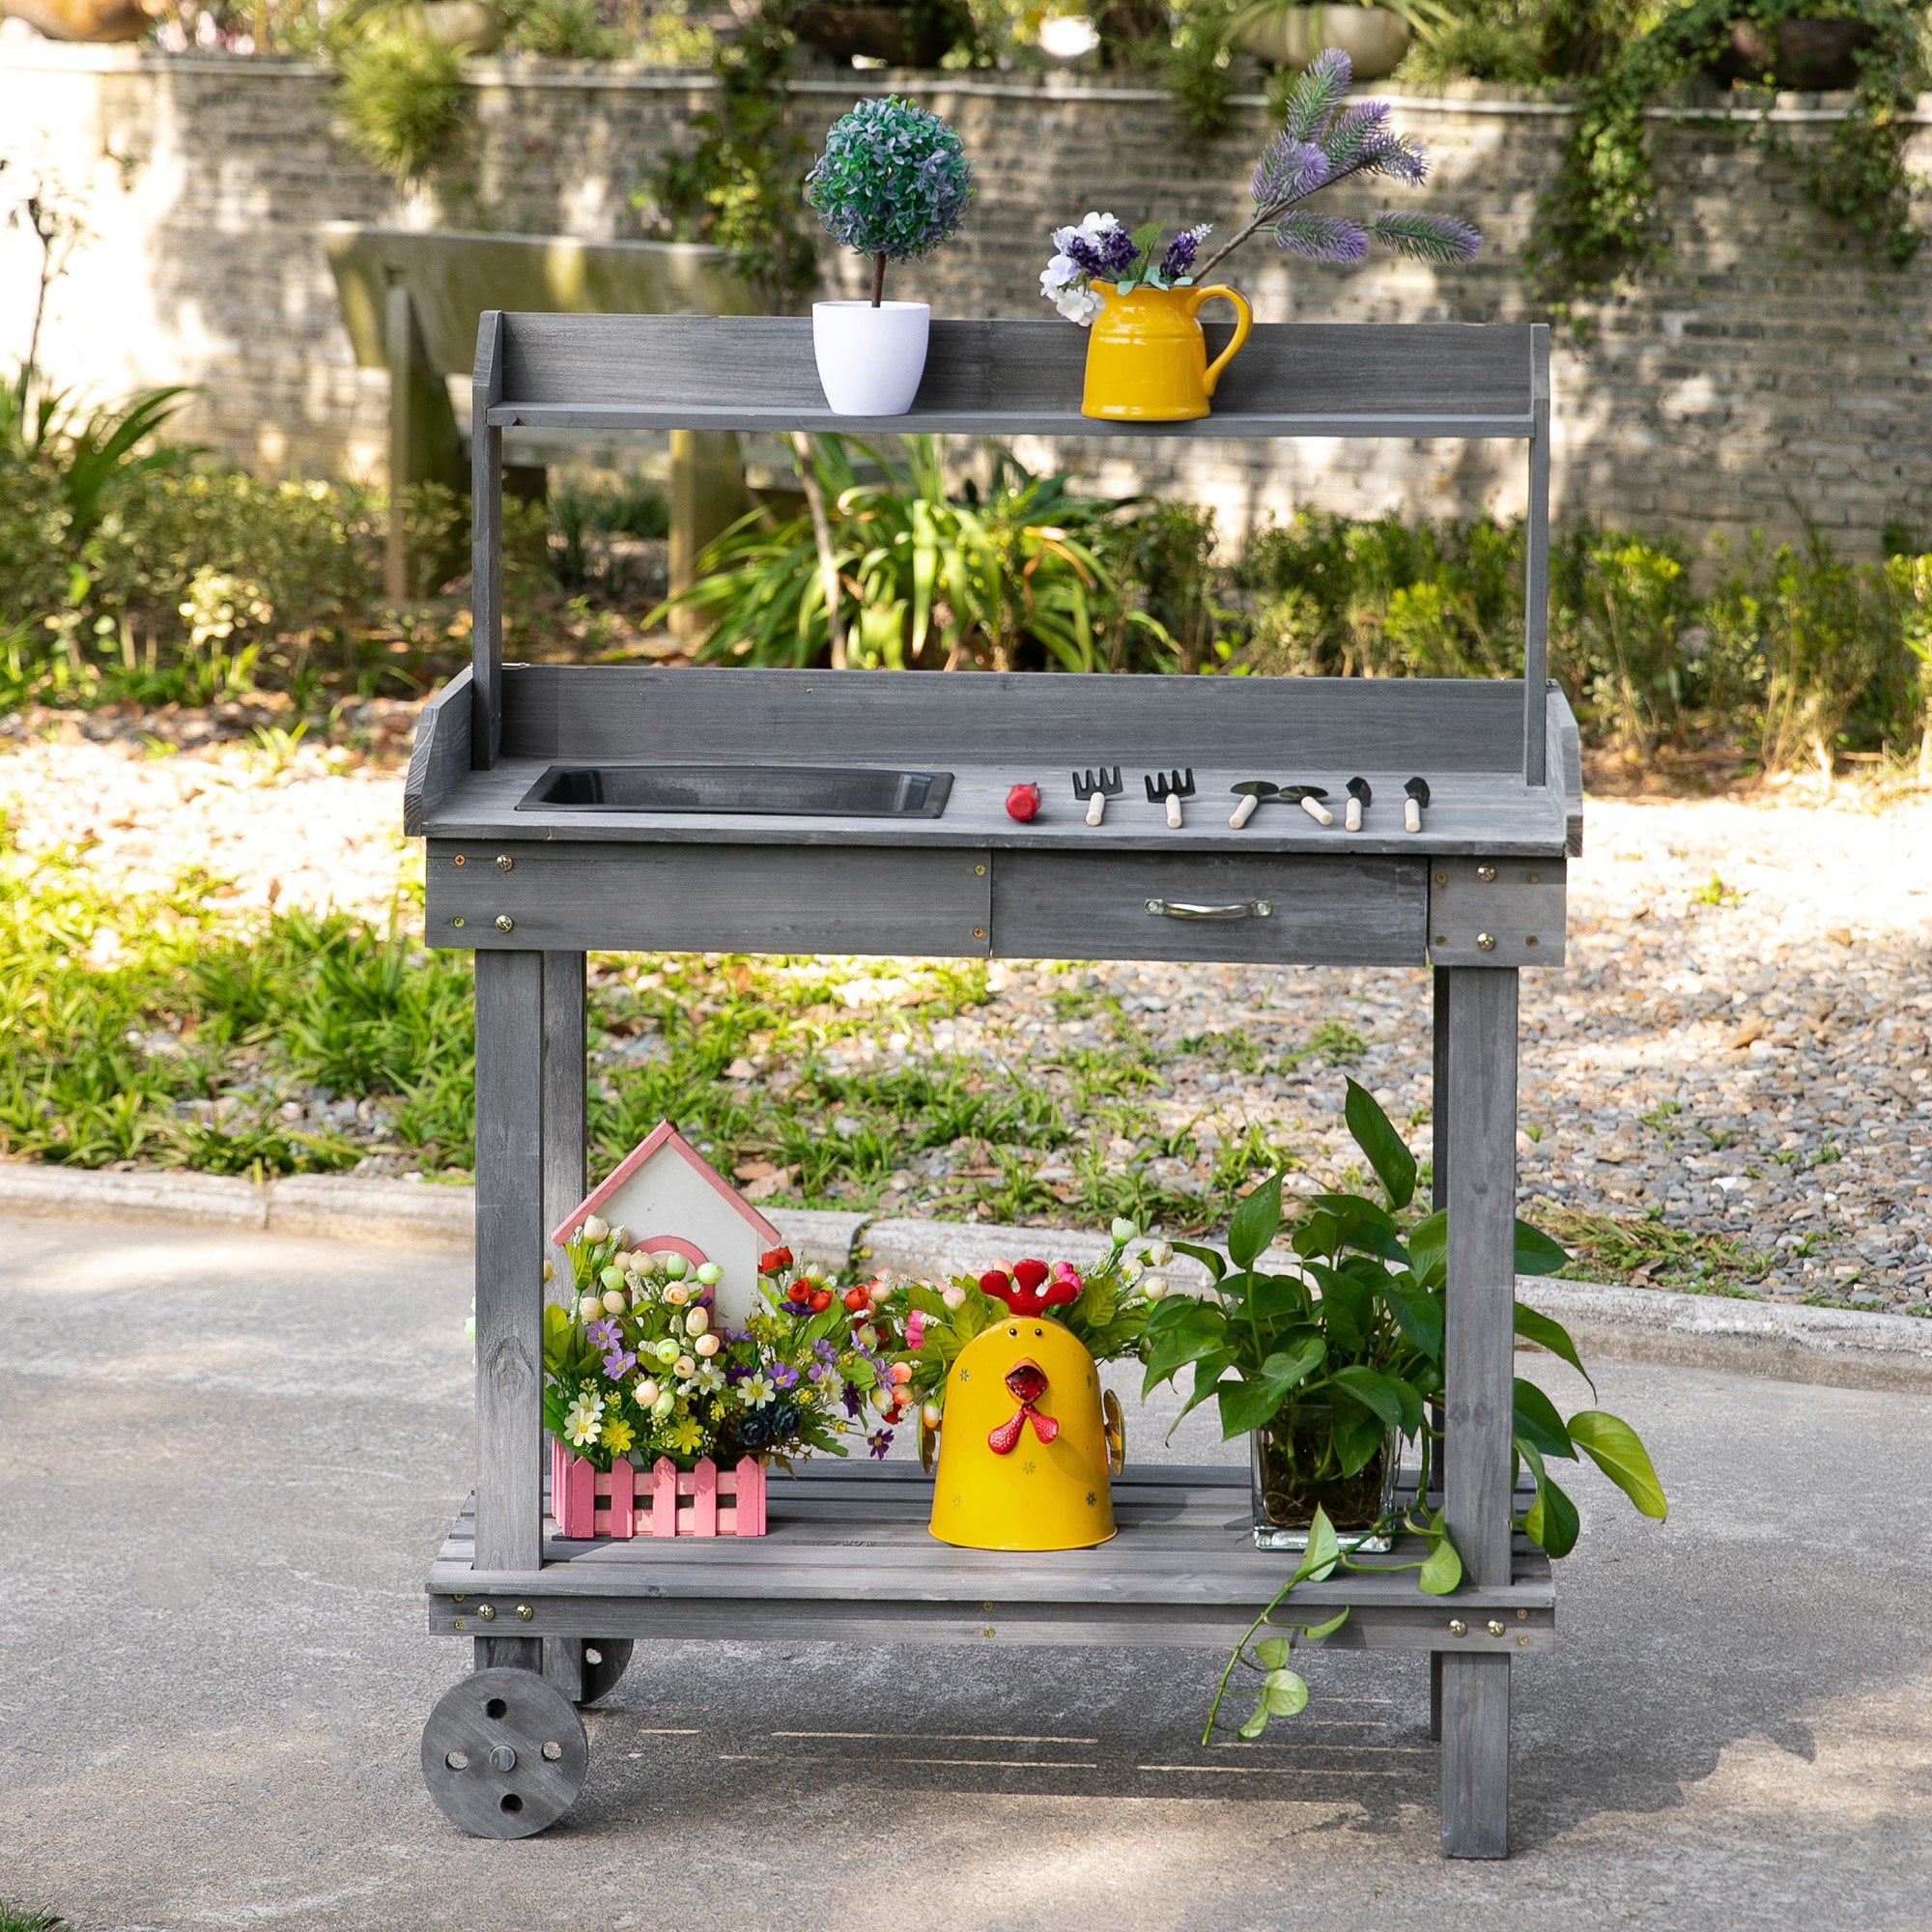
<point>1353,818</point>
<point>1096,806</point>
<point>1245,811</point>
<point>1317,811</point>
<point>1411,814</point>
<point>1174,809</point>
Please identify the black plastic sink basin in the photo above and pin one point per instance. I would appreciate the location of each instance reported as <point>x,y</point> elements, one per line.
<point>794,791</point>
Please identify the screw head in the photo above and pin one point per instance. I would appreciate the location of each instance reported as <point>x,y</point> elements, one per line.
<point>459,920</point>
<point>1457,1628</point>
<point>459,859</point>
<point>1530,939</point>
<point>1495,1627</point>
<point>978,932</point>
<point>1442,878</point>
<point>486,1611</point>
<point>524,1612</point>
<point>1524,1639</point>
<point>979,872</point>
<point>1485,942</point>
<point>506,863</point>
<point>1534,878</point>
<point>503,1758</point>
<point>505,924</point>
<point>1487,873</point>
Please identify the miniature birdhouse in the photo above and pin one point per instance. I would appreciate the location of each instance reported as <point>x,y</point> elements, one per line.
<point>1023,1449</point>
<point>668,1199</point>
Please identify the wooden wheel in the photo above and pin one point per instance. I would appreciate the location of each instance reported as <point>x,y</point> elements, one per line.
<point>606,1659</point>
<point>504,1755</point>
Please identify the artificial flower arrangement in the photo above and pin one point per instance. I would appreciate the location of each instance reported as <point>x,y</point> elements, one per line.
<point>893,183</point>
<point>1141,291</point>
<point>1106,1309</point>
<point>637,1370</point>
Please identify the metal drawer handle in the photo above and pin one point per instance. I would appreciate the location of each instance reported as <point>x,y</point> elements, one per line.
<point>1240,909</point>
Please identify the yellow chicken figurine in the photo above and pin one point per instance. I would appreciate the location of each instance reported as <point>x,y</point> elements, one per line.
<point>1025,1447</point>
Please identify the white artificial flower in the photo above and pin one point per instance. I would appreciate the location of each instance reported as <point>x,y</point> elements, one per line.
<point>1122,1229</point>
<point>593,1230</point>
<point>591,1307</point>
<point>1154,1286</point>
<point>705,1345</point>
<point>1157,1254</point>
<point>709,1377</point>
<point>1058,272</point>
<point>756,1391</point>
<point>613,1302</point>
<point>584,1422</point>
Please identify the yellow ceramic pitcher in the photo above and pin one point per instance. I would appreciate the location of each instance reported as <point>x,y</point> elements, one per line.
<point>1146,359</point>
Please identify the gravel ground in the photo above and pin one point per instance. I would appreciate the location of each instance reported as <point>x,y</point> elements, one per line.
<point>1729,1087</point>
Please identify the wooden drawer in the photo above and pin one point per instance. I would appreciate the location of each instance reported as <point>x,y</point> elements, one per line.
<point>1287,909</point>
<point>709,898</point>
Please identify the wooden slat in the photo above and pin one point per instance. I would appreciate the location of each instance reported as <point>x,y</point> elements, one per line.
<point>1536,564</point>
<point>623,1499</point>
<point>486,544</point>
<point>509,1260</point>
<point>1470,813</point>
<point>1373,1626</point>
<point>1565,767</point>
<point>704,1498</point>
<point>1334,910</point>
<point>1041,725</point>
<point>1478,1366</point>
<point>733,897</point>
<point>993,378</point>
<point>439,756</point>
<point>664,1498</point>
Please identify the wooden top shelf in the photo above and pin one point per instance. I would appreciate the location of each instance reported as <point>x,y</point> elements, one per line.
<point>1006,379</point>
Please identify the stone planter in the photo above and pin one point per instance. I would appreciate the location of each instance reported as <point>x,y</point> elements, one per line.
<point>898,36</point>
<point>1804,56</point>
<point>1374,37</point>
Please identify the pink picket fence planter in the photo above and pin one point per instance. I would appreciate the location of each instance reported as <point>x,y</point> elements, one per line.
<point>663,1500</point>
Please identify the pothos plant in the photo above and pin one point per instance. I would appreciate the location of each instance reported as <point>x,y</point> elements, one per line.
<point>1341,1350</point>
<point>1601,216</point>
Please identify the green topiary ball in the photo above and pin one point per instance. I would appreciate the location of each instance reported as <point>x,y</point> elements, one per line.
<point>893,180</point>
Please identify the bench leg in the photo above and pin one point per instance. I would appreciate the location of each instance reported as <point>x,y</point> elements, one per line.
<point>1479,1367</point>
<point>1475,1756</point>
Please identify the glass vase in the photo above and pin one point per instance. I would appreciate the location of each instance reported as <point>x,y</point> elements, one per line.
<point>1286,1495</point>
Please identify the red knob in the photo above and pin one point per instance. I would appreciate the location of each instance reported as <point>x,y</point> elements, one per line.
<point>1023,801</point>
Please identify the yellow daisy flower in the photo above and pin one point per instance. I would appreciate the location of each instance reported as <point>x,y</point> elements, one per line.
<point>618,1436</point>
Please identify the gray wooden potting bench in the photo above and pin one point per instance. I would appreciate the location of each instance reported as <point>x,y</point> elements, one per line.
<point>545,840</point>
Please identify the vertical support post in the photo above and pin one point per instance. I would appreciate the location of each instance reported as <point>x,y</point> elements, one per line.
<point>423,442</point>
<point>1439,1200</point>
<point>485,546</point>
<point>509,1271</point>
<point>563,1099</point>
<point>707,497</point>
<point>1479,1369</point>
<point>1536,568</point>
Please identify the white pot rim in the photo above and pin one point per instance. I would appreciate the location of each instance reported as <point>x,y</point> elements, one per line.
<point>866,303</point>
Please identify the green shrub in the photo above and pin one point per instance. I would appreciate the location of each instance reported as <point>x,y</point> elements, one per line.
<point>403,99</point>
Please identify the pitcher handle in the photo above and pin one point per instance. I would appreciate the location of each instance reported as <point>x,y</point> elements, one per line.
<point>1244,320</point>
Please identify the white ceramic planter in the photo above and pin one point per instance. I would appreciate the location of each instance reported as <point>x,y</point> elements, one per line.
<point>869,359</point>
<point>1374,37</point>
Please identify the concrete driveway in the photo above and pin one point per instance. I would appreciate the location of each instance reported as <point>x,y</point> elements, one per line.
<point>225,1461</point>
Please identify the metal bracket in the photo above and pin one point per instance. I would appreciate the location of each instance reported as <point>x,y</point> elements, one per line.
<point>1497,912</point>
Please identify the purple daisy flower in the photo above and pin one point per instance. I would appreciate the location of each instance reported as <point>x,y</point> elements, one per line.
<point>619,1363</point>
<point>784,1376</point>
<point>878,1443</point>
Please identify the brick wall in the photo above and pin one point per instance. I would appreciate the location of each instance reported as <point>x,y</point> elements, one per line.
<point>1772,375</point>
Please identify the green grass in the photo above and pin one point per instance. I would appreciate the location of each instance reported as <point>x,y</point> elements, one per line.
<point>1614,1248</point>
<point>15,1919</point>
<point>162,1030</point>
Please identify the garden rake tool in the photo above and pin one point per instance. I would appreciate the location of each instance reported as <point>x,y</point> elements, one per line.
<point>1095,788</point>
<point>1171,787</point>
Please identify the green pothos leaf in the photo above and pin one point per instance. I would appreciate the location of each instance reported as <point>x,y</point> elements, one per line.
<point>1537,1327</point>
<point>1616,1449</point>
<point>1441,1569</point>
<point>1323,1552</point>
<point>1272,1652</point>
<point>1284,1695</point>
<point>1315,1632</point>
<point>1257,1722</point>
<point>1376,1135</point>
